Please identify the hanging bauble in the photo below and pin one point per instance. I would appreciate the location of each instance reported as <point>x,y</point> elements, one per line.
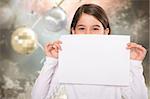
<point>24,40</point>
<point>55,19</point>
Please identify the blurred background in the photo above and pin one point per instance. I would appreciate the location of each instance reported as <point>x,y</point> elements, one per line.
<point>26,25</point>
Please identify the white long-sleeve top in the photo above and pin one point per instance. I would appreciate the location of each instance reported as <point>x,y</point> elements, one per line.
<point>47,82</point>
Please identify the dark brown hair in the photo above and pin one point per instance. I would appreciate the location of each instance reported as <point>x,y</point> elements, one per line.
<point>94,10</point>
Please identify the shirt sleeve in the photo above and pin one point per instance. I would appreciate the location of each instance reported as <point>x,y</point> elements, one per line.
<point>42,83</point>
<point>137,88</point>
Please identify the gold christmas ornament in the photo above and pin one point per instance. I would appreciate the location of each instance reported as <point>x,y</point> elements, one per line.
<point>24,40</point>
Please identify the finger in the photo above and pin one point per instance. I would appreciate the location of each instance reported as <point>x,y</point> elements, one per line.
<point>58,42</point>
<point>57,46</point>
<point>138,48</point>
<point>133,45</point>
<point>141,48</point>
<point>47,46</point>
<point>50,46</point>
<point>54,53</point>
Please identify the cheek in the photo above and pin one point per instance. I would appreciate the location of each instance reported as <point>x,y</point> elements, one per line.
<point>76,31</point>
<point>101,32</point>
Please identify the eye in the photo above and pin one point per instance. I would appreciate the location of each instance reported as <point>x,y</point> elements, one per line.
<point>96,29</point>
<point>81,28</point>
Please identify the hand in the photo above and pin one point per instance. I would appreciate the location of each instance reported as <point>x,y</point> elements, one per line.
<point>137,52</point>
<point>52,49</point>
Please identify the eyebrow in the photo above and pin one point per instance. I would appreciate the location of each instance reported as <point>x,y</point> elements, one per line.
<point>96,26</point>
<point>92,26</point>
<point>80,25</point>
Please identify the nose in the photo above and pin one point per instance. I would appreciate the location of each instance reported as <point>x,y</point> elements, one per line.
<point>88,31</point>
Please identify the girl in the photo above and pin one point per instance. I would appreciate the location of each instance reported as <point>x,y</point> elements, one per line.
<point>90,19</point>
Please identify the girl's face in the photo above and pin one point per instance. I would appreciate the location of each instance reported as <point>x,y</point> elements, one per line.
<point>87,24</point>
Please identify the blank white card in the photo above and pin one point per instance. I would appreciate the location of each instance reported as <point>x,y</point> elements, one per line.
<point>94,59</point>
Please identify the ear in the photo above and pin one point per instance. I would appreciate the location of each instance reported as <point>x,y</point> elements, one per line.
<point>72,30</point>
<point>106,31</point>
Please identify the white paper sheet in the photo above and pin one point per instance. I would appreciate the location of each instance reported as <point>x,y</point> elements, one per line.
<point>94,59</point>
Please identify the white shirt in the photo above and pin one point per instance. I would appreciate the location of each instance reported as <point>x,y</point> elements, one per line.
<point>47,83</point>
